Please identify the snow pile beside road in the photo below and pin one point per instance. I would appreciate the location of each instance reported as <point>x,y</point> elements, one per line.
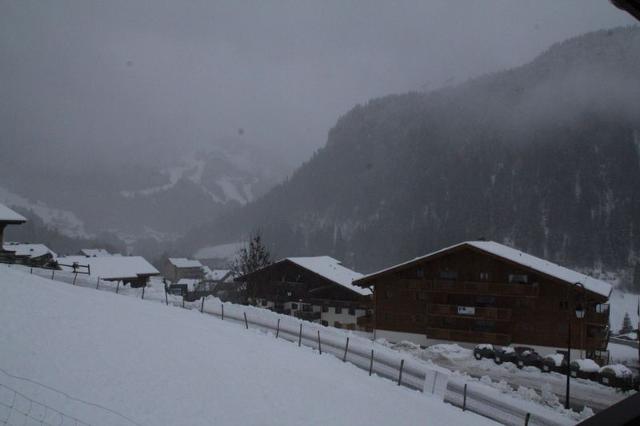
<point>617,370</point>
<point>164,365</point>
<point>586,365</point>
<point>450,352</point>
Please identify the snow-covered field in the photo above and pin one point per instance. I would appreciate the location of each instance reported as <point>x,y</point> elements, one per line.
<point>160,365</point>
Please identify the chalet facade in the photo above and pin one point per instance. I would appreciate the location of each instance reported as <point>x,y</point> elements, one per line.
<point>177,268</point>
<point>8,217</point>
<point>317,289</point>
<point>486,292</point>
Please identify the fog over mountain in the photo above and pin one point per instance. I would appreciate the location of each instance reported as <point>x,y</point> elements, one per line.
<point>145,119</point>
<point>545,157</point>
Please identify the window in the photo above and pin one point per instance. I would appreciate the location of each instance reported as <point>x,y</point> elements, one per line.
<point>449,275</point>
<point>294,306</point>
<point>337,324</point>
<point>486,301</point>
<point>518,278</point>
<point>265,303</point>
<point>352,311</point>
<point>564,305</point>
<point>420,273</point>
<point>484,276</point>
<point>325,323</point>
<point>325,308</point>
<point>388,293</point>
<point>307,308</point>
<point>338,310</point>
<point>486,326</point>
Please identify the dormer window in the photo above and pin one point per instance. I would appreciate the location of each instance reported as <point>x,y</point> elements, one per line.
<point>484,276</point>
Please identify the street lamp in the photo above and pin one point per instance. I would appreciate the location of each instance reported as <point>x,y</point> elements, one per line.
<point>580,310</point>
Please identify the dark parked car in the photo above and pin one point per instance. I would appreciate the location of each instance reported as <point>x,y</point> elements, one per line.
<point>483,351</point>
<point>528,357</point>
<point>554,362</point>
<point>505,354</point>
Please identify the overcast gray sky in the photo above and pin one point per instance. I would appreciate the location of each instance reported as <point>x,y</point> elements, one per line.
<point>146,77</point>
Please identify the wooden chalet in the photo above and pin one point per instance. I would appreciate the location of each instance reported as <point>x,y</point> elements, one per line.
<point>177,268</point>
<point>8,217</point>
<point>485,292</point>
<point>32,254</point>
<point>317,289</point>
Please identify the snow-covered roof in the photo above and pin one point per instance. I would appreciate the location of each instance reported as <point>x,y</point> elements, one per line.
<point>217,274</point>
<point>112,267</point>
<point>540,265</point>
<point>31,250</point>
<point>95,252</point>
<point>181,262</point>
<point>8,215</point>
<point>331,269</point>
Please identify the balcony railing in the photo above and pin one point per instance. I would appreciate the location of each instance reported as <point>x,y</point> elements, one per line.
<point>485,288</point>
<point>498,314</point>
<point>600,315</point>
<point>468,336</point>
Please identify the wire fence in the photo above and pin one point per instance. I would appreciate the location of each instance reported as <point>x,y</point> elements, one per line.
<point>25,402</point>
<point>358,351</point>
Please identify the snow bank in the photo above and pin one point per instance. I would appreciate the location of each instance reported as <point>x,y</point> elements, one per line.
<point>556,359</point>
<point>165,365</point>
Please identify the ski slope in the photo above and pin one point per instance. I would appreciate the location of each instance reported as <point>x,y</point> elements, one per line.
<point>160,365</point>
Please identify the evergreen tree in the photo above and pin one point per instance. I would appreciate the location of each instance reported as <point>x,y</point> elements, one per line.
<point>626,324</point>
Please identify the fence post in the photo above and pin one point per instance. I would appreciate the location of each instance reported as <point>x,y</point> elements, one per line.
<point>31,272</point>
<point>435,379</point>
<point>464,398</point>
<point>183,300</point>
<point>300,336</point>
<point>166,297</point>
<point>246,323</point>
<point>75,276</point>
<point>371,363</point>
<point>346,349</point>
<point>400,375</point>
<point>143,291</point>
<point>97,283</point>
<point>526,419</point>
<point>319,343</point>
<point>222,311</point>
<point>202,305</point>
<point>53,272</point>
<point>278,328</point>
<point>118,287</point>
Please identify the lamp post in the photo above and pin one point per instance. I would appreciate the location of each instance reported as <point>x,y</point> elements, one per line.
<point>579,314</point>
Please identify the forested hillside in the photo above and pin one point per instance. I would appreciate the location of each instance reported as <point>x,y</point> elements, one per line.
<point>545,157</point>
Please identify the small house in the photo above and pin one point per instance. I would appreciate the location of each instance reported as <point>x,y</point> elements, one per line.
<point>8,217</point>
<point>31,254</point>
<point>133,270</point>
<point>98,252</point>
<point>177,268</point>
<point>317,289</point>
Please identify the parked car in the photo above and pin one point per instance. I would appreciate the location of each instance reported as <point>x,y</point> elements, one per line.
<point>585,369</point>
<point>616,375</point>
<point>505,354</point>
<point>554,362</point>
<point>484,350</point>
<point>527,357</point>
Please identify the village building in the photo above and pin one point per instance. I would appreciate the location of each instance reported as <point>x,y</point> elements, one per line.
<point>31,254</point>
<point>98,252</point>
<point>317,289</point>
<point>485,292</point>
<point>8,217</point>
<point>133,270</point>
<point>177,268</point>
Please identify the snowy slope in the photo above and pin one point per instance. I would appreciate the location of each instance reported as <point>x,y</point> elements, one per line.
<point>162,365</point>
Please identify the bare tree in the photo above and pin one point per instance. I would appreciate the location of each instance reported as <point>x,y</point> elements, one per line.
<point>253,256</point>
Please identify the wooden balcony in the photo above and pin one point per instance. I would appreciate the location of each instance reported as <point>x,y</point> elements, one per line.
<point>599,316</point>
<point>484,288</point>
<point>468,336</point>
<point>497,314</point>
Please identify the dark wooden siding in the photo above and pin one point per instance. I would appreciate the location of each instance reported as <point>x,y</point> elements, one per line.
<point>425,297</point>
